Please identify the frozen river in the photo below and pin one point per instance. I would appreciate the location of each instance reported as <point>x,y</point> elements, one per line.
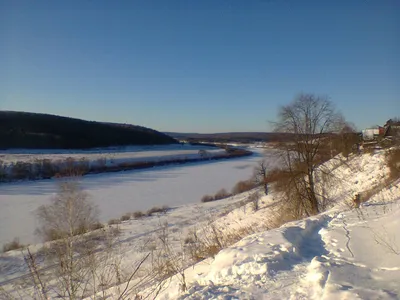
<point>122,192</point>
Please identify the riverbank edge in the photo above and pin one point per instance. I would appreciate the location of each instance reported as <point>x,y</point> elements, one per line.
<point>78,170</point>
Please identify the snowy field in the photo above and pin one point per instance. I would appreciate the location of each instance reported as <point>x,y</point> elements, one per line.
<point>118,193</point>
<point>343,253</point>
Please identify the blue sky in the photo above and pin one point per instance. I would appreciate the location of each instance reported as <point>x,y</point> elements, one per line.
<point>199,66</point>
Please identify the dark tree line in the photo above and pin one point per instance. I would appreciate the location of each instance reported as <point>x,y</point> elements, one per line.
<point>32,130</point>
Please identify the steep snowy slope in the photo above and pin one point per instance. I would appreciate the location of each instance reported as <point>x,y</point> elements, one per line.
<point>343,253</point>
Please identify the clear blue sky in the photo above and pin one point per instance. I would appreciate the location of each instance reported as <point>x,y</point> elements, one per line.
<point>199,66</point>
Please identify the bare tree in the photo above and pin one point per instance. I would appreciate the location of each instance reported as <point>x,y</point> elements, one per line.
<point>70,213</point>
<point>347,140</point>
<point>260,172</point>
<point>79,259</point>
<point>65,221</point>
<point>312,121</point>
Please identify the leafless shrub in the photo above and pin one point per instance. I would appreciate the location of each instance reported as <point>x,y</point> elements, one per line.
<point>346,141</point>
<point>125,217</point>
<point>199,246</point>
<point>207,242</point>
<point>282,214</point>
<point>157,209</point>
<point>278,179</point>
<point>393,162</point>
<point>83,166</point>
<point>138,214</point>
<point>221,194</point>
<point>167,260</point>
<point>13,245</point>
<point>254,199</point>
<point>96,226</point>
<point>207,198</point>
<point>44,168</point>
<point>114,222</point>
<point>87,273</point>
<point>48,168</point>
<point>3,171</point>
<point>101,163</point>
<point>243,186</point>
<point>68,168</point>
<point>22,170</point>
<point>72,167</point>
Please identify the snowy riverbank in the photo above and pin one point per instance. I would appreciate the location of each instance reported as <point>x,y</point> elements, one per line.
<point>25,164</point>
<point>343,253</point>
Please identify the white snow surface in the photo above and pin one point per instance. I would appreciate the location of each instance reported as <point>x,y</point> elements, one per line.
<point>343,253</point>
<point>332,256</point>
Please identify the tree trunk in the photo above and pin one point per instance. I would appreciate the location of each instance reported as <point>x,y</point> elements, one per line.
<point>312,197</point>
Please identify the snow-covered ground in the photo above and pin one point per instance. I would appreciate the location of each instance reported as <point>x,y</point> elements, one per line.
<point>118,193</point>
<point>343,253</point>
<point>135,233</point>
<point>337,255</point>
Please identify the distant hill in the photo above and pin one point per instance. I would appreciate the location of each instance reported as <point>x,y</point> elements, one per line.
<point>232,137</point>
<point>33,130</point>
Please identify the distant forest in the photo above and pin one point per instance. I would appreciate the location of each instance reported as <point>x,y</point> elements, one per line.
<point>232,137</point>
<point>40,131</point>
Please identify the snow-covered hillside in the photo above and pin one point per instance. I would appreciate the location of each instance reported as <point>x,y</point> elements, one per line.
<point>347,255</point>
<point>343,253</point>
